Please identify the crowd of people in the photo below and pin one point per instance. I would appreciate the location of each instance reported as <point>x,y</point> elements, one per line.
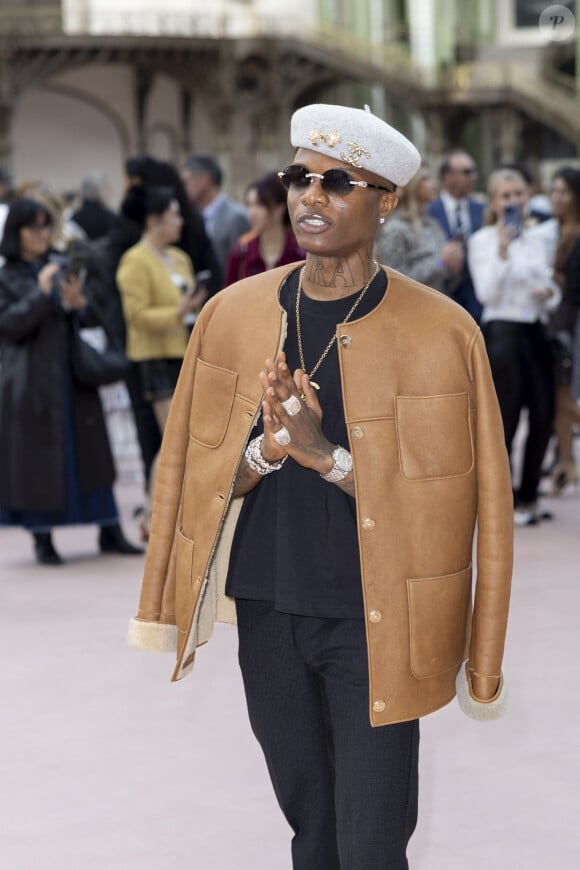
<point>511,258</point>
<point>143,273</point>
<point>140,275</point>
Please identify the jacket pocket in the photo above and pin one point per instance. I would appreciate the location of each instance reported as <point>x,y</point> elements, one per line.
<point>438,611</point>
<point>183,584</point>
<point>434,436</point>
<point>214,390</point>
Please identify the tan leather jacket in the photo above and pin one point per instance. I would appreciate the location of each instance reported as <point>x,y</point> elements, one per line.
<point>429,459</point>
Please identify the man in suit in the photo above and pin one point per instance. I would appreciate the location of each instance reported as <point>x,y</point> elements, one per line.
<point>459,215</point>
<point>225,220</point>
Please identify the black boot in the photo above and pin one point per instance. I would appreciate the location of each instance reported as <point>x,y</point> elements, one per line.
<point>44,549</point>
<point>112,540</point>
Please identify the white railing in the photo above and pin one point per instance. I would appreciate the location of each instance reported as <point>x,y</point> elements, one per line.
<point>234,24</point>
<point>84,20</point>
<point>31,22</point>
<point>391,56</point>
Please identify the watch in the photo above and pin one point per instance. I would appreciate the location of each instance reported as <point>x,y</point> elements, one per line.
<point>342,466</point>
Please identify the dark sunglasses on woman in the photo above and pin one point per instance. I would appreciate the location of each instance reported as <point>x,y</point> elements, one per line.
<point>336,181</point>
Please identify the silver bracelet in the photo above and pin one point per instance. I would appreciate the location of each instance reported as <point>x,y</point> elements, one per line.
<point>342,465</point>
<point>257,462</point>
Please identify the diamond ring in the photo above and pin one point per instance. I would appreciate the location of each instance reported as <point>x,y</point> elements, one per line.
<point>292,406</point>
<point>282,436</point>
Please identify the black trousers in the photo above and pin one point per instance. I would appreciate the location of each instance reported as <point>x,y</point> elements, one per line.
<point>349,791</point>
<point>148,432</point>
<point>523,373</point>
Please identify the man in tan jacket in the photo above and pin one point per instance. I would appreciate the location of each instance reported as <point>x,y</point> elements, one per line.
<point>333,439</point>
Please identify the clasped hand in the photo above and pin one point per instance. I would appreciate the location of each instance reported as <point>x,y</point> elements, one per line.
<point>308,446</point>
<point>69,286</point>
<point>71,293</point>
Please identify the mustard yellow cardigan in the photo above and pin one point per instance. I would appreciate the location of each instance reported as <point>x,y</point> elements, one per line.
<point>150,298</point>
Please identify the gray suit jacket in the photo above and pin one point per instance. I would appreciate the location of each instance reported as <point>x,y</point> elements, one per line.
<point>231,222</point>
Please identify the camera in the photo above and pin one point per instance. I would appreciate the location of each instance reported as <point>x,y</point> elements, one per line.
<point>68,266</point>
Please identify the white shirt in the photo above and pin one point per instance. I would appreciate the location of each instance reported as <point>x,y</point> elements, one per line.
<point>548,234</point>
<point>505,287</point>
<point>450,204</point>
<point>3,216</point>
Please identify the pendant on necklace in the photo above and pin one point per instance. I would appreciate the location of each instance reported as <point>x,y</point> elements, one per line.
<point>312,384</point>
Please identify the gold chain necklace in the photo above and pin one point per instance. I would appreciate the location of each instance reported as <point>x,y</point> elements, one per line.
<point>328,347</point>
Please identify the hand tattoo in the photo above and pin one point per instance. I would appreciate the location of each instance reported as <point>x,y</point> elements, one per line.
<point>347,485</point>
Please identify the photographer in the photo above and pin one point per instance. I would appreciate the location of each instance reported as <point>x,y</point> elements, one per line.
<point>56,466</point>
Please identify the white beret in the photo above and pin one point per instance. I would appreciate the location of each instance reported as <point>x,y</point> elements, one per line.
<point>358,137</point>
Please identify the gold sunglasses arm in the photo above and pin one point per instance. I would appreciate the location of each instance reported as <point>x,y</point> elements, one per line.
<point>374,186</point>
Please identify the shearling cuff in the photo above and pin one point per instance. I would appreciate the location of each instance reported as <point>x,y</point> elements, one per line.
<point>481,710</point>
<point>155,636</point>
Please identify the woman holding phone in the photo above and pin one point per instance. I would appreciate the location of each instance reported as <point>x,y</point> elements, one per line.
<point>56,466</point>
<point>513,280</point>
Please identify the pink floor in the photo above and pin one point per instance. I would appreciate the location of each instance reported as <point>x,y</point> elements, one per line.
<point>107,766</point>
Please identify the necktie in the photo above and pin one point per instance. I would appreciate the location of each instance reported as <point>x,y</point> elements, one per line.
<point>459,225</point>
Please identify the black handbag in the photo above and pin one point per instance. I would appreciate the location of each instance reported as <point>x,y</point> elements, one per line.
<point>92,367</point>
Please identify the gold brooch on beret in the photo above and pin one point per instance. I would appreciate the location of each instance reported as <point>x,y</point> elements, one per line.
<point>355,154</point>
<point>317,138</point>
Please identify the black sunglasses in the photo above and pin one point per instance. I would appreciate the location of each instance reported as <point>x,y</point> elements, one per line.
<point>335,181</point>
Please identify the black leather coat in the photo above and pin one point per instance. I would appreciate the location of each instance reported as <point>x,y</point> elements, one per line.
<point>34,342</point>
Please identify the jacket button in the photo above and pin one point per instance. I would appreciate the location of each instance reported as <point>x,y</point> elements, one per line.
<point>378,706</point>
<point>368,524</point>
<point>375,616</point>
<point>345,340</point>
<point>357,433</point>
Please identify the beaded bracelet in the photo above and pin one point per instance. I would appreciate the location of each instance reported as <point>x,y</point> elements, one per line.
<point>257,462</point>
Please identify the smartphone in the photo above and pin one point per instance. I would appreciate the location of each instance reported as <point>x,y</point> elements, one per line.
<point>82,276</point>
<point>68,266</point>
<point>204,275</point>
<point>512,217</point>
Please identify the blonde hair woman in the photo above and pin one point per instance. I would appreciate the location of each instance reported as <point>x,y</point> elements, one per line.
<point>513,279</point>
<point>413,243</point>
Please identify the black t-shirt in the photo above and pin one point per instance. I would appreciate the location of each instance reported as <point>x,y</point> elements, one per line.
<point>296,541</point>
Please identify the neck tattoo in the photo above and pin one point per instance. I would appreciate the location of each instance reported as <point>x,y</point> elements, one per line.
<point>328,347</point>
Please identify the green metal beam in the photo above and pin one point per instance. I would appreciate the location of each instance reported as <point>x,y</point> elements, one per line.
<point>444,26</point>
